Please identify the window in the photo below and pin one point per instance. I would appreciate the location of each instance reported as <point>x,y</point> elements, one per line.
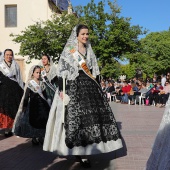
<point>10,15</point>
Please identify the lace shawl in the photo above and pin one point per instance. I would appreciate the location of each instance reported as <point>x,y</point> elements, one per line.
<point>68,67</point>
<point>30,78</point>
<point>53,70</point>
<point>14,71</point>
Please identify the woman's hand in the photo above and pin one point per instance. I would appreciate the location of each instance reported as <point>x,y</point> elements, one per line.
<point>61,95</point>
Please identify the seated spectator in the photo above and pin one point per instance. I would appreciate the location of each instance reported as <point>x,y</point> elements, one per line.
<point>153,96</point>
<point>149,85</point>
<point>143,90</point>
<point>163,95</point>
<point>138,90</point>
<point>132,95</point>
<point>118,95</point>
<point>125,91</point>
<point>110,89</point>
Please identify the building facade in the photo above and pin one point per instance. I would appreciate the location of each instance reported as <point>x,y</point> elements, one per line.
<point>15,16</point>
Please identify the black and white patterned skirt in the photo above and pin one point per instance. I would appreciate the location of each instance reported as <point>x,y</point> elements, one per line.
<point>88,118</point>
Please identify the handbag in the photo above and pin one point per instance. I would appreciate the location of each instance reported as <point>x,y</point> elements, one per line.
<point>147,102</point>
<point>131,92</point>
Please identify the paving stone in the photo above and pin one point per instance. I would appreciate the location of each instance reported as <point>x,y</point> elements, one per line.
<point>138,126</point>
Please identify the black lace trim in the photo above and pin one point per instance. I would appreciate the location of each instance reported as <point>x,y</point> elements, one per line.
<point>89,118</point>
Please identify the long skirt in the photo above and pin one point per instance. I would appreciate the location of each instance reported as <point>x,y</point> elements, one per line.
<point>10,97</point>
<point>23,128</point>
<point>88,126</point>
<point>160,155</point>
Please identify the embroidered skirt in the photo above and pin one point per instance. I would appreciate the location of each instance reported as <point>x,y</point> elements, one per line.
<point>89,126</point>
<point>89,118</point>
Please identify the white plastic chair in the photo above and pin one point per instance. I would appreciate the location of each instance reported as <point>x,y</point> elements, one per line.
<point>142,97</point>
<point>129,101</point>
<point>109,96</point>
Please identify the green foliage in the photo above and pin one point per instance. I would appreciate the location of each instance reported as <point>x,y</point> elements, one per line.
<point>153,55</point>
<point>111,36</point>
<point>46,37</point>
<point>128,70</point>
<point>112,69</point>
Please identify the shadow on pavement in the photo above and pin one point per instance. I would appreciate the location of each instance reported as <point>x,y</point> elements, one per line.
<point>97,163</point>
<point>103,161</point>
<point>28,157</point>
<point>123,151</point>
<point>25,156</point>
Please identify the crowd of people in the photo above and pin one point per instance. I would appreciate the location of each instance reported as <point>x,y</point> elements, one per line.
<point>66,108</point>
<point>63,108</point>
<point>153,92</point>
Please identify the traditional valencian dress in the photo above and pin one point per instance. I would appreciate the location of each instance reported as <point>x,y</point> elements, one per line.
<point>11,91</point>
<point>33,112</point>
<point>83,122</point>
<point>50,80</point>
<point>160,155</point>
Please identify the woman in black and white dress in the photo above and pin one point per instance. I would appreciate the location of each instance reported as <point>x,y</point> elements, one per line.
<point>81,121</point>
<point>32,115</point>
<point>49,76</point>
<point>11,90</point>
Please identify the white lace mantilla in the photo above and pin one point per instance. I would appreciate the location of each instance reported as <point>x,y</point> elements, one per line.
<point>68,67</point>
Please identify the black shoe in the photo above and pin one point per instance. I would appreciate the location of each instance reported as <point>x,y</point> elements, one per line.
<point>8,134</point>
<point>84,164</point>
<point>35,141</point>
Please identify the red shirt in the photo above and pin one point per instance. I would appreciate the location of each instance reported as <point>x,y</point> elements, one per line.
<point>126,88</point>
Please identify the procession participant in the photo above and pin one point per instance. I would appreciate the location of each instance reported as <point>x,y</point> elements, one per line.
<point>11,90</point>
<point>32,115</point>
<point>49,75</point>
<point>81,122</point>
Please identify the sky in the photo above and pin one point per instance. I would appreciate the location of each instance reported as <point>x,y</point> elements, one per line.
<point>154,15</point>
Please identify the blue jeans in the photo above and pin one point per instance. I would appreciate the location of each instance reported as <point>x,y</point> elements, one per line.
<point>125,98</point>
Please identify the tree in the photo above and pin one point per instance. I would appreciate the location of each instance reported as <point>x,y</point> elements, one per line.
<point>111,36</point>
<point>128,70</point>
<point>153,56</point>
<point>112,69</point>
<point>46,37</point>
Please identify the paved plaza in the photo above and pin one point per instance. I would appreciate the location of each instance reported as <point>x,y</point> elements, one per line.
<point>138,126</point>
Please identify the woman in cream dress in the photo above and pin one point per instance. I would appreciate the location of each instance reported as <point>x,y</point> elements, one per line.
<point>81,121</point>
